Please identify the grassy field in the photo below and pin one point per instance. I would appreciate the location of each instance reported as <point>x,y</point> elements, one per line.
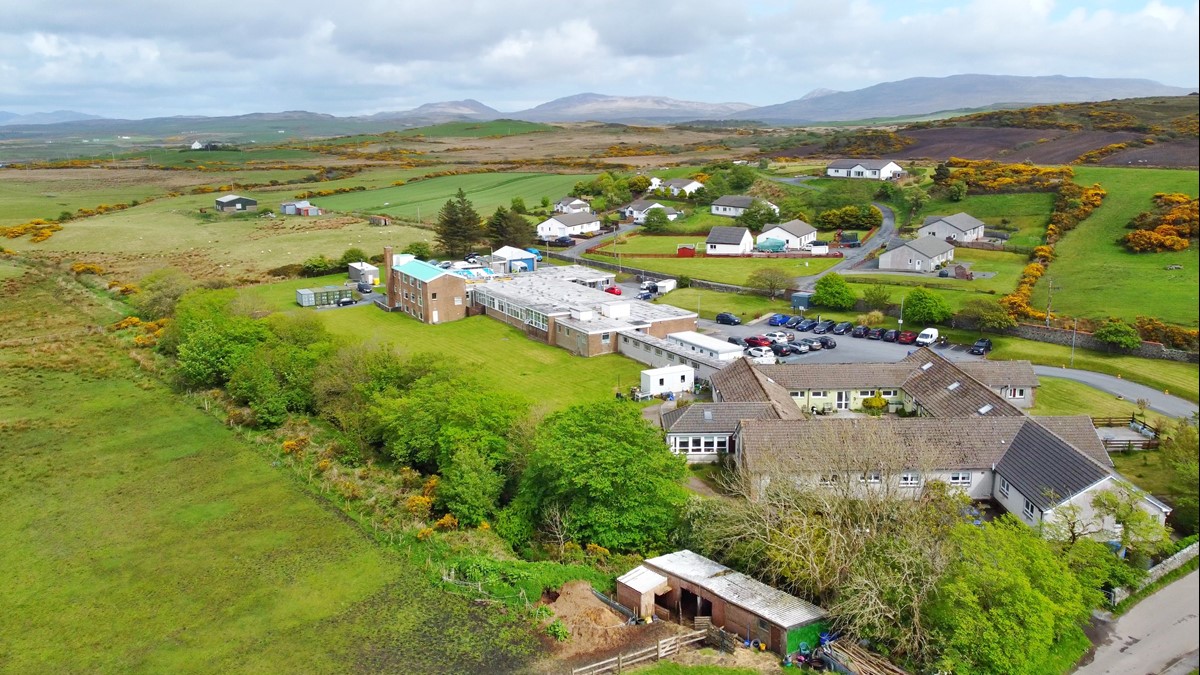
<point>725,270</point>
<point>191,158</point>
<point>1095,277</point>
<point>485,190</point>
<point>745,306</point>
<point>1028,212</point>
<point>170,545</point>
<point>23,199</point>
<point>479,129</point>
<point>1058,396</point>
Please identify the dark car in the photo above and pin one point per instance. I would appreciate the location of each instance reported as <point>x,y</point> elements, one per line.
<point>794,322</point>
<point>345,302</point>
<point>859,331</point>
<point>982,346</point>
<point>759,341</point>
<point>563,241</point>
<point>778,320</point>
<point>842,328</point>
<point>824,327</point>
<point>735,340</point>
<point>827,342</point>
<point>813,344</point>
<point>891,335</point>
<point>728,319</point>
<point>875,334</point>
<point>806,325</point>
<point>645,295</point>
<point>906,337</point>
<point>471,257</point>
<point>782,349</point>
<point>364,287</point>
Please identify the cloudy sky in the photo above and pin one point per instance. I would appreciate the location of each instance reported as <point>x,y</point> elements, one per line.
<point>141,58</point>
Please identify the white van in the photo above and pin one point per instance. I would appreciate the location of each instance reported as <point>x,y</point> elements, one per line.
<point>927,337</point>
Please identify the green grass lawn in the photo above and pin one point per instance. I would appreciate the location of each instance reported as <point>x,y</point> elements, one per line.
<point>1058,396</point>
<point>23,198</point>
<point>1029,212</point>
<point>665,244</point>
<point>1147,470</point>
<point>1005,268</point>
<point>725,270</point>
<point>184,159</point>
<point>745,306</point>
<point>1095,277</point>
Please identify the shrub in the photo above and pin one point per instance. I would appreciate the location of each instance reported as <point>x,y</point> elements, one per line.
<point>429,489</point>
<point>558,630</point>
<point>418,506</point>
<point>425,533</point>
<point>446,523</point>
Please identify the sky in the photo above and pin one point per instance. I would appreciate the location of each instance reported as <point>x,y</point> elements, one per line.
<point>144,58</point>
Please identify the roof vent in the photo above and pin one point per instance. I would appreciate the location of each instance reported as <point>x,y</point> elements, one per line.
<point>708,415</point>
<point>985,409</point>
<point>953,385</point>
<point>927,366</point>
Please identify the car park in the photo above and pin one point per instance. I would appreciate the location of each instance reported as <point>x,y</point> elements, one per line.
<point>827,342</point>
<point>735,340</point>
<point>890,335</point>
<point>859,331</point>
<point>778,320</point>
<point>927,337</point>
<point>612,290</point>
<point>814,344</point>
<point>800,346</point>
<point>780,337</point>
<point>728,319</point>
<point>824,327</point>
<point>842,328</point>
<point>981,346</point>
<point>756,352</point>
<point>875,334</point>
<point>794,322</point>
<point>806,325</point>
<point>758,341</point>
<point>906,337</point>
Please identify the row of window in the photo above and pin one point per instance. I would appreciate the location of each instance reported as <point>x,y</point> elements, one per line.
<point>865,393</point>
<point>699,444</point>
<point>659,352</point>
<point>411,281</point>
<point>907,479</point>
<point>1029,509</point>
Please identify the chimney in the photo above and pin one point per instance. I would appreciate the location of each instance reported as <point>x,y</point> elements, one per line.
<point>389,290</point>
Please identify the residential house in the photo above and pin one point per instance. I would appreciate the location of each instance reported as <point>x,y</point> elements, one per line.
<point>638,209</point>
<point>425,292</point>
<point>724,240</point>
<point>795,233</point>
<point>735,205</point>
<point>681,186</point>
<point>683,585</point>
<point>568,225</point>
<point>572,205</point>
<point>197,145</point>
<point>236,203</point>
<point>917,255</point>
<point>958,227</point>
<point>876,169</point>
<point>703,432</point>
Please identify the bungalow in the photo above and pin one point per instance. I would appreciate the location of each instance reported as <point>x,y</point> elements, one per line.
<point>637,210</point>
<point>703,432</point>
<point>796,233</point>
<point>877,169</point>
<point>572,205</point>
<point>735,205</point>
<point>724,240</point>
<point>684,186</point>
<point>918,255</point>
<point>197,145</point>
<point>567,224</point>
<point>959,227</point>
<point>236,203</point>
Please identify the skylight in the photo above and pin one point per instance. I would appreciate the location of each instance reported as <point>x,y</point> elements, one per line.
<point>927,366</point>
<point>985,409</point>
<point>953,385</point>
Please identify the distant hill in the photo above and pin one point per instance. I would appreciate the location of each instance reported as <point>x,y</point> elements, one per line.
<point>604,108</point>
<point>56,117</point>
<point>922,95</point>
<point>467,109</point>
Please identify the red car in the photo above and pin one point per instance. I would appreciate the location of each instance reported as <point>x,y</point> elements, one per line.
<point>613,289</point>
<point>758,341</point>
<point>906,337</point>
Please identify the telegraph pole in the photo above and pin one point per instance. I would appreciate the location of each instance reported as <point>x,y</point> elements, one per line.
<point>1049,298</point>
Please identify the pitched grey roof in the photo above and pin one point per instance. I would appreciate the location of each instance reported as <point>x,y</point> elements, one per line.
<point>715,417</point>
<point>679,182</point>
<point>642,204</point>
<point>772,604</point>
<point>1079,431</point>
<point>735,201</point>
<point>741,382</point>
<point>572,219</point>
<point>1045,468</point>
<point>943,390</point>
<point>1001,373</point>
<point>570,200</point>
<point>875,164</point>
<point>960,221</point>
<point>818,376</point>
<point>722,234</point>
<point>929,246</point>
<point>794,227</point>
<point>230,198</point>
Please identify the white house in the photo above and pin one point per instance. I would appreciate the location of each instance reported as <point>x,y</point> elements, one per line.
<point>567,224</point>
<point>681,186</point>
<point>724,240</point>
<point>918,255</point>
<point>637,210</point>
<point>959,227</point>
<point>197,145</point>
<point>572,205</point>
<point>795,232</point>
<point>876,169</point>
<point>735,205</point>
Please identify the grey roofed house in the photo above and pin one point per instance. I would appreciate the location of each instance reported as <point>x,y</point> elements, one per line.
<point>930,247</point>
<point>569,200</point>
<point>641,204</point>
<point>942,390</point>
<point>723,234</point>
<point>795,227</point>
<point>679,183</point>
<point>875,164</point>
<point>572,219</point>
<point>1079,431</point>
<point>701,418</point>
<point>735,201</point>
<point>1046,469</point>
<point>741,382</point>
<point>962,222</point>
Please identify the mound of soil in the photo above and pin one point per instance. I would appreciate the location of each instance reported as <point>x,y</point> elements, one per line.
<point>598,632</point>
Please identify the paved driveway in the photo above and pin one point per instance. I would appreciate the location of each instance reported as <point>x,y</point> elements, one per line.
<point>1159,635</point>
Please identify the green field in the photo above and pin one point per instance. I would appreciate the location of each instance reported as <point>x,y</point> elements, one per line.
<point>485,190</point>
<point>1005,266</point>
<point>23,199</point>
<point>1095,277</point>
<point>1058,396</point>
<point>183,159</point>
<point>142,535</point>
<point>1029,213</point>
<point>479,129</point>
<point>745,306</point>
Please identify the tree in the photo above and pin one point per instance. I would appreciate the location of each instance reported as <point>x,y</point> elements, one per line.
<point>988,313</point>
<point>545,202</point>
<point>470,487</point>
<point>1141,533</point>
<point>773,280</point>
<point>833,292</point>
<point>957,191</point>
<point>161,290</point>
<point>741,177</point>
<point>757,216</point>
<point>420,250</point>
<point>458,225</point>
<point>517,204</point>
<point>1116,333</point>
<point>639,184</point>
<point>611,475</point>
<point>941,173</point>
<point>352,255</point>
<point>1180,450</point>
<point>877,297</point>
<point>509,228</point>
<point>656,221</point>
<point>924,307</point>
<point>914,199</point>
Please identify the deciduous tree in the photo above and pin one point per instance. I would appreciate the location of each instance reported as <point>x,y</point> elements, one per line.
<point>656,221</point>
<point>773,280</point>
<point>1118,334</point>
<point>988,313</point>
<point>922,306</point>
<point>877,297</point>
<point>833,292</point>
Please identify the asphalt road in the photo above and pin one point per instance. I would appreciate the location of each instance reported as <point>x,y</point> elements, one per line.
<point>1158,636</point>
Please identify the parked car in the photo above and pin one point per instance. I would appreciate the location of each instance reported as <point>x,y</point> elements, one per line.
<point>824,327</point>
<point>645,295</point>
<point>780,337</point>
<point>471,257</point>
<point>781,349</point>
<point>537,255</point>
<point>778,320</point>
<point>794,322</point>
<point>891,335</point>
<point>981,346</point>
<point>927,337</point>
<point>756,352</point>
<point>813,344</point>
<point>842,328</point>
<point>758,341</point>
<point>875,334</point>
<point>563,241</point>
<point>806,325</point>
<point>800,346</point>
<point>859,331</point>
<point>906,337</point>
<point>346,302</point>
<point>612,290</point>
<point>735,340</point>
<point>827,342</point>
<point>364,287</point>
<point>728,319</point>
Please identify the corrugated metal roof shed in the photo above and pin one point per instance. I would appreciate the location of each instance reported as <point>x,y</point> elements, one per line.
<point>641,579</point>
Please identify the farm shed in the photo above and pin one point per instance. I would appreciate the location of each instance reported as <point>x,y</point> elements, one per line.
<point>697,586</point>
<point>325,295</point>
<point>364,272</point>
<point>236,203</point>
<point>636,590</point>
<point>672,379</point>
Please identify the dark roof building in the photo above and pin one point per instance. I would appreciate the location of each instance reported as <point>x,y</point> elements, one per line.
<point>722,234</point>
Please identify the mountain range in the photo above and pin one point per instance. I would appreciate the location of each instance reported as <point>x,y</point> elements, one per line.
<point>911,97</point>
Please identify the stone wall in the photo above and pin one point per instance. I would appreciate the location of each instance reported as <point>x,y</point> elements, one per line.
<point>1157,572</point>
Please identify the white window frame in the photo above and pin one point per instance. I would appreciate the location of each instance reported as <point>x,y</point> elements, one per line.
<point>910,479</point>
<point>871,477</point>
<point>1004,487</point>
<point>828,481</point>
<point>961,478</point>
<point>1028,510</point>
<point>1016,392</point>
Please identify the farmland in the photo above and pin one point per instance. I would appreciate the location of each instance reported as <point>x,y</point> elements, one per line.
<point>479,129</point>
<point>734,271</point>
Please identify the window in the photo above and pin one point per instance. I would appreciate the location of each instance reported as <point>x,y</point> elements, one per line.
<point>433,296</point>
<point>818,394</point>
<point>625,339</point>
<point>888,393</point>
<point>1004,486</point>
<point>605,338</point>
<point>657,351</point>
<point>1016,392</point>
<point>910,479</point>
<point>869,477</point>
<point>986,409</point>
<point>457,300</point>
<point>960,478</point>
<point>1028,510</point>
<point>953,385</point>
<point>831,479</point>
<point>796,394</point>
